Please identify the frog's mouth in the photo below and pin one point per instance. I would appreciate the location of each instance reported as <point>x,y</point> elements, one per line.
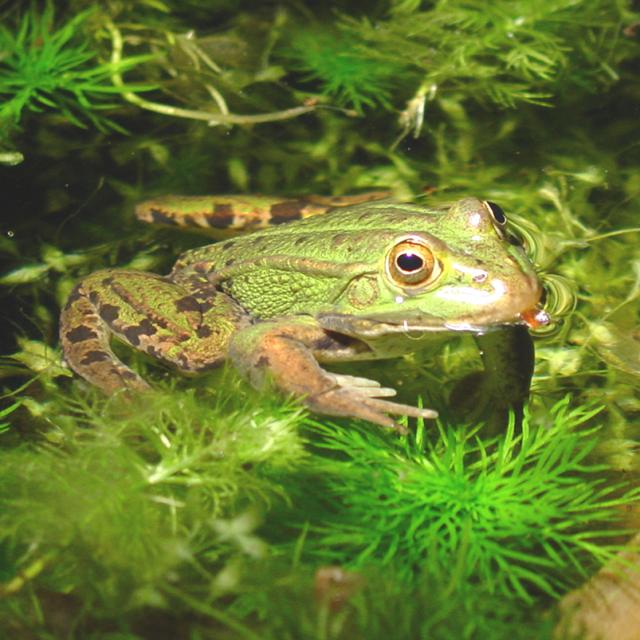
<point>418,323</point>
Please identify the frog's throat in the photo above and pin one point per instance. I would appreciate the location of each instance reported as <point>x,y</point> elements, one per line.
<point>378,325</point>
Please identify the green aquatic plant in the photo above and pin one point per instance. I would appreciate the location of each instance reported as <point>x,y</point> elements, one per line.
<point>5,426</point>
<point>116,504</point>
<point>298,602</point>
<point>344,71</point>
<point>157,510</point>
<point>44,67</point>
<point>520,513</point>
<point>503,54</point>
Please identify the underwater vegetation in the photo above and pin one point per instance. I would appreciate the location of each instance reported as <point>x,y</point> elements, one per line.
<point>215,511</point>
<point>52,68</point>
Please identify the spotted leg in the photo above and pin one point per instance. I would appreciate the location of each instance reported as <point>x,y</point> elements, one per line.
<point>187,328</point>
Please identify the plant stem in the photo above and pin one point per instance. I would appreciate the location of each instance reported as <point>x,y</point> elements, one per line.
<point>212,119</point>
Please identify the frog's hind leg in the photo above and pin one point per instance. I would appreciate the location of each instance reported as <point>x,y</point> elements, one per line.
<point>85,340</point>
<point>188,328</point>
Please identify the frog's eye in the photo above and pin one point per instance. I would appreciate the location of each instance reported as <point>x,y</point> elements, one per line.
<point>497,213</point>
<point>411,263</point>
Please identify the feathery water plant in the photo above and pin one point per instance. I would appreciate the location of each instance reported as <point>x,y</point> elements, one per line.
<point>376,605</point>
<point>503,53</point>
<point>345,72</point>
<point>47,68</point>
<point>172,485</point>
<point>514,512</point>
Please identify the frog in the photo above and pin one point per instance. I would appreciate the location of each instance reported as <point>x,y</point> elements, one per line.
<point>294,286</point>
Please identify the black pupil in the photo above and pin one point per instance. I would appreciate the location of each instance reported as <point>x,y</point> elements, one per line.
<point>409,261</point>
<point>498,213</point>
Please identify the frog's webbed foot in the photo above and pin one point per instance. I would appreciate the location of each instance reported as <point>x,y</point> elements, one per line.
<point>360,402</point>
<point>284,353</point>
<point>367,393</point>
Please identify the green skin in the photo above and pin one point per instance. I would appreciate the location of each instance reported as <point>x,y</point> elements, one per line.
<point>330,288</point>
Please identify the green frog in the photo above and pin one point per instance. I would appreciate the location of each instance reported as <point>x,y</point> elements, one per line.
<point>367,279</point>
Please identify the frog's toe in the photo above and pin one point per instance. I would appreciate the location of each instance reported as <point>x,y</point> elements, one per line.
<point>377,392</point>
<point>361,403</point>
<point>364,386</point>
<point>382,408</point>
<point>353,381</point>
<point>396,408</point>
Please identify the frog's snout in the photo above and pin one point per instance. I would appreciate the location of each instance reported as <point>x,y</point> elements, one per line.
<point>536,316</point>
<point>532,296</point>
<point>502,300</point>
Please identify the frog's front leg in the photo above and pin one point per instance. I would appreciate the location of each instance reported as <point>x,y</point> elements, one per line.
<point>287,352</point>
<point>503,387</point>
<point>187,326</point>
<point>508,359</point>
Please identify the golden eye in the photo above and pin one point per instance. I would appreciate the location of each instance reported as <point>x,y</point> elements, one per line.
<point>411,263</point>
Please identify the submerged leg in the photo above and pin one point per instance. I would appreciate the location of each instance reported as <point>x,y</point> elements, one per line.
<point>508,358</point>
<point>503,386</point>
<point>221,215</point>
<point>187,328</point>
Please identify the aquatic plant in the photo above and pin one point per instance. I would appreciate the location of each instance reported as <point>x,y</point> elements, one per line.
<point>110,503</point>
<point>344,71</point>
<point>287,601</point>
<point>5,426</point>
<point>503,54</point>
<point>49,67</point>
<point>524,513</point>
<point>189,502</point>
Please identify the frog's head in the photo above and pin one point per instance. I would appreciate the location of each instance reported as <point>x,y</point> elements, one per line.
<point>459,270</point>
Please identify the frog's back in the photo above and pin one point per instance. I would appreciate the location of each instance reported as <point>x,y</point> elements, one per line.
<point>364,217</point>
<point>341,235</point>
